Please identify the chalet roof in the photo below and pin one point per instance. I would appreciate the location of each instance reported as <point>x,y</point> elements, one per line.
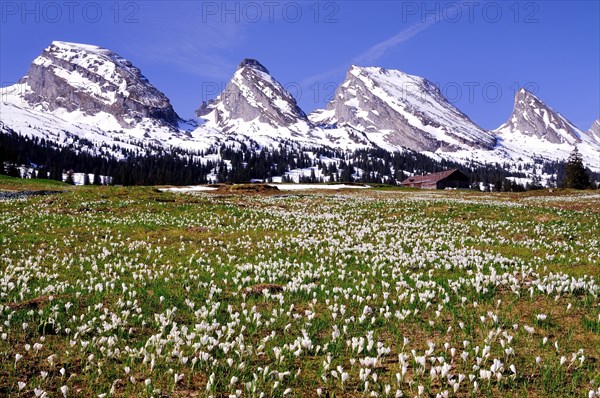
<point>430,178</point>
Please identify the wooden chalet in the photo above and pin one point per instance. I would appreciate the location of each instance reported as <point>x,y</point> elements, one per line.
<point>449,179</point>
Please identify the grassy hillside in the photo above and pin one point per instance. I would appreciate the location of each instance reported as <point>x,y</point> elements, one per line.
<point>20,184</point>
<point>136,292</point>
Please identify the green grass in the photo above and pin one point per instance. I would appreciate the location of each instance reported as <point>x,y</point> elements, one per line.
<point>19,184</point>
<point>115,283</point>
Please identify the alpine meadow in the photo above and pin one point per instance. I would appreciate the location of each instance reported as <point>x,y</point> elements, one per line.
<point>114,291</point>
<point>300,199</point>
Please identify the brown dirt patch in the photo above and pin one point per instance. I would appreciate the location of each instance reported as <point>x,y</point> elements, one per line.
<point>245,189</point>
<point>37,302</point>
<point>258,289</point>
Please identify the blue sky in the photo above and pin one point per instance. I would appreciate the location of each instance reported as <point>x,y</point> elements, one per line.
<point>478,52</point>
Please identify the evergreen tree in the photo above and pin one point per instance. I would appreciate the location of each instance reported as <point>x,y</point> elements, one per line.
<point>153,165</point>
<point>575,175</point>
<point>13,171</point>
<point>497,184</point>
<point>536,183</point>
<point>347,172</point>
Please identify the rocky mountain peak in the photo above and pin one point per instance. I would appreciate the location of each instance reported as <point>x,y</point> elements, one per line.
<point>526,100</point>
<point>398,109</point>
<point>252,100</point>
<point>596,127</point>
<point>253,63</point>
<point>594,132</point>
<point>91,79</point>
<point>532,117</point>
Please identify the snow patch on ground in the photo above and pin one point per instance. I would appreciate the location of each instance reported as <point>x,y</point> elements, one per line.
<point>303,187</point>
<point>281,187</point>
<point>195,188</point>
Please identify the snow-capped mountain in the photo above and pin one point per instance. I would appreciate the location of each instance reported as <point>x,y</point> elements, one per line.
<point>532,118</point>
<point>594,132</point>
<point>536,130</point>
<point>395,109</point>
<point>87,96</point>
<point>255,106</point>
<point>90,79</point>
<point>255,100</point>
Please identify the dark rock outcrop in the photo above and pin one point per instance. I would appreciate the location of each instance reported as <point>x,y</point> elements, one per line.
<point>91,79</point>
<point>252,95</point>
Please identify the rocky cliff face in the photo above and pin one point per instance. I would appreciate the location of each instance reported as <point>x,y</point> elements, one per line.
<point>91,79</point>
<point>409,110</point>
<point>76,94</point>
<point>594,132</point>
<point>532,118</point>
<point>253,99</point>
<point>596,127</point>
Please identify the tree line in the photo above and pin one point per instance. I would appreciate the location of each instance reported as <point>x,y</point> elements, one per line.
<point>153,165</point>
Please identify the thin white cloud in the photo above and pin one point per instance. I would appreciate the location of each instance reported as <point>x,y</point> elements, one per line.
<point>378,50</point>
<point>372,54</point>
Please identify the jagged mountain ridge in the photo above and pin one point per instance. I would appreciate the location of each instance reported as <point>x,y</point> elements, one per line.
<point>91,98</point>
<point>78,77</point>
<point>398,109</point>
<point>255,106</point>
<point>594,132</point>
<point>76,90</point>
<point>535,128</point>
<point>531,117</point>
<point>253,96</point>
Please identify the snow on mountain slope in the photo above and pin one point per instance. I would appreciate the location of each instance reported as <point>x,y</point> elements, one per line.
<point>99,134</point>
<point>89,97</point>
<point>536,130</point>
<point>593,134</point>
<point>254,99</point>
<point>256,106</point>
<point>91,79</point>
<point>396,110</point>
<point>92,99</point>
<point>532,118</point>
